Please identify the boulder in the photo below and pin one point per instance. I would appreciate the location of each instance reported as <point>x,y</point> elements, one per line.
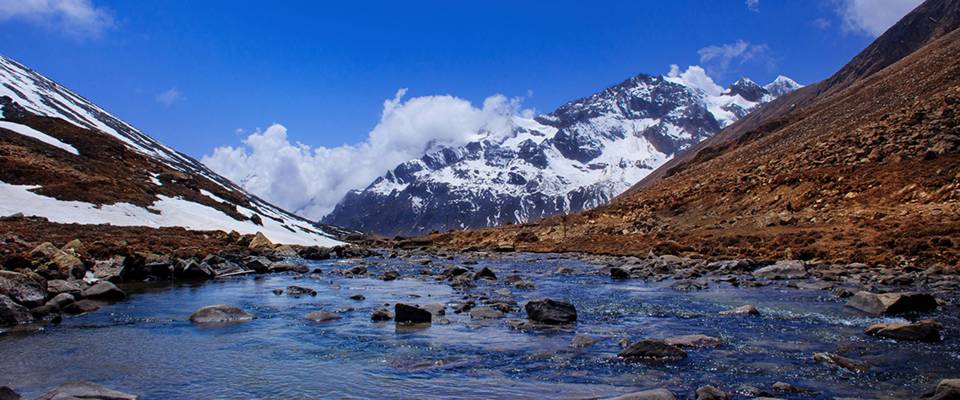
<point>696,340</point>
<point>84,390</point>
<point>12,313</point>
<point>314,253</point>
<point>219,314</point>
<point>651,349</point>
<point>68,264</point>
<point>409,314</point>
<point>787,269</point>
<point>926,330</point>
<point>22,288</point>
<point>8,394</point>
<point>193,270</point>
<point>390,275</point>
<point>435,308</point>
<point>485,313</point>
<point>358,297</point>
<point>840,362</point>
<point>709,392</point>
<point>619,273</point>
<point>113,269</point>
<point>61,300</point>
<point>381,314</point>
<point>300,291</point>
<point>103,290</point>
<point>549,311</point>
<point>485,273</point>
<point>892,303</point>
<point>45,250</point>
<point>655,394</point>
<point>58,286</point>
<point>742,310</point>
<point>947,389</point>
<point>260,241</point>
<point>322,316</point>
<point>81,307</point>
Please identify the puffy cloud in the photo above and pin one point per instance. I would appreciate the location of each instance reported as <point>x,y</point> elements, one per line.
<point>169,96</point>
<point>753,5</point>
<point>696,77</point>
<point>720,58</point>
<point>873,17</point>
<point>76,17</point>
<point>311,180</point>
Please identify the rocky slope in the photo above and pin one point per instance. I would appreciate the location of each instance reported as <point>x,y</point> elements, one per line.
<point>864,166</point>
<point>577,157</point>
<point>65,159</point>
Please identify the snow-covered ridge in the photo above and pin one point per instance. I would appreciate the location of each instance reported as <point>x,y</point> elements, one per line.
<point>39,95</point>
<point>579,156</point>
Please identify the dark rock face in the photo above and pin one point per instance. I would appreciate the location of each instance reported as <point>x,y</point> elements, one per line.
<point>577,157</point>
<point>22,288</point>
<point>8,394</point>
<point>651,349</point>
<point>408,314</point>
<point>220,314</point>
<point>12,313</point>
<point>548,311</point>
<point>892,303</point>
<point>85,390</point>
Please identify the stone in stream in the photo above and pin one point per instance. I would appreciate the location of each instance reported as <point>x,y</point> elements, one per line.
<point>583,341</point>
<point>322,316</point>
<point>381,314</point>
<point>358,297</point>
<point>784,387</point>
<point>435,308</point>
<point>12,313</point>
<point>696,340</point>
<point>840,361</point>
<point>84,390</point>
<point>947,389</point>
<point>549,311</point>
<point>742,310</point>
<point>288,267</point>
<point>8,394</point>
<point>619,273</point>
<point>651,349</point>
<point>81,307</point>
<point>485,313</point>
<point>892,303</point>
<point>485,273</point>
<point>300,291</point>
<point>786,269</point>
<point>103,290</point>
<point>22,288</point>
<point>219,314</point>
<point>926,330</point>
<point>409,314</point>
<point>709,392</point>
<point>655,394</point>
<point>277,291</point>
<point>390,275</point>
<point>463,307</point>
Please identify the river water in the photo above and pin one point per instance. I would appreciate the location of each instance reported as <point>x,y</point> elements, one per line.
<point>146,345</point>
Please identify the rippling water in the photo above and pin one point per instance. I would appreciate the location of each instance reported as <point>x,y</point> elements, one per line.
<point>146,345</point>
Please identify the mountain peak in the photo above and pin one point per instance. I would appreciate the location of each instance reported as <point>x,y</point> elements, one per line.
<point>781,86</point>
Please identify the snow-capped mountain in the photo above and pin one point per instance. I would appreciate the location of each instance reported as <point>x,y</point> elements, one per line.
<point>65,159</point>
<point>577,157</point>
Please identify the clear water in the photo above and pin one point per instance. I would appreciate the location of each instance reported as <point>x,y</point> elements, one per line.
<point>146,345</point>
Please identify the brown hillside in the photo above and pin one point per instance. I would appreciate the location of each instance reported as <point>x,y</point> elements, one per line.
<point>862,167</point>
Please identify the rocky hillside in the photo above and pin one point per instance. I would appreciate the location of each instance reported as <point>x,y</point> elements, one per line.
<point>577,157</point>
<point>64,159</point>
<point>864,166</point>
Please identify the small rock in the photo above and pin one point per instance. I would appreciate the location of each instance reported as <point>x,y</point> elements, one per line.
<point>358,297</point>
<point>709,392</point>
<point>381,314</point>
<point>742,310</point>
<point>784,387</point>
<point>485,273</point>
<point>892,303</point>
<point>81,307</point>
<point>409,314</point>
<point>390,275</point>
<point>277,291</point>
<point>694,341</point>
<point>485,313</point>
<point>524,284</point>
<point>12,313</point>
<point>300,291</point>
<point>656,394</point>
<point>58,286</point>
<point>220,313</point>
<point>840,361</point>
<point>61,300</point>
<point>192,270</point>
<point>103,290</point>
<point>787,269</point>
<point>288,267</point>
<point>435,308</point>
<point>619,273</point>
<point>84,390</point>
<point>926,330</point>
<point>463,307</point>
<point>322,316</point>
<point>549,311</point>
<point>582,341</point>
<point>651,349</point>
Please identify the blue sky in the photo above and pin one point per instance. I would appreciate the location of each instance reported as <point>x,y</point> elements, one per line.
<point>192,73</point>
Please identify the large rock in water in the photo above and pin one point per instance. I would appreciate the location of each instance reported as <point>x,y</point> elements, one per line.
<point>220,314</point>
<point>12,313</point>
<point>651,349</point>
<point>103,290</point>
<point>926,330</point>
<point>655,394</point>
<point>408,314</point>
<point>947,389</point>
<point>549,311</point>
<point>892,303</point>
<point>322,316</point>
<point>85,390</point>
<point>22,289</point>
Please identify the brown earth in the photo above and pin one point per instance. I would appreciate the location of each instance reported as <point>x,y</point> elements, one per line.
<point>862,167</point>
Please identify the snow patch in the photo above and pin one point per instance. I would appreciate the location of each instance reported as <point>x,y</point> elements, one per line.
<point>43,137</point>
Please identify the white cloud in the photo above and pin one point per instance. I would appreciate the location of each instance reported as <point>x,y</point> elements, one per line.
<point>80,18</point>
<point>873,17</point>
<point>169,96</point>
<point>310,181</point>
<point>720,58</point>
<point>696,77</point>
<point>822,23</point>
<point>753,5</point>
